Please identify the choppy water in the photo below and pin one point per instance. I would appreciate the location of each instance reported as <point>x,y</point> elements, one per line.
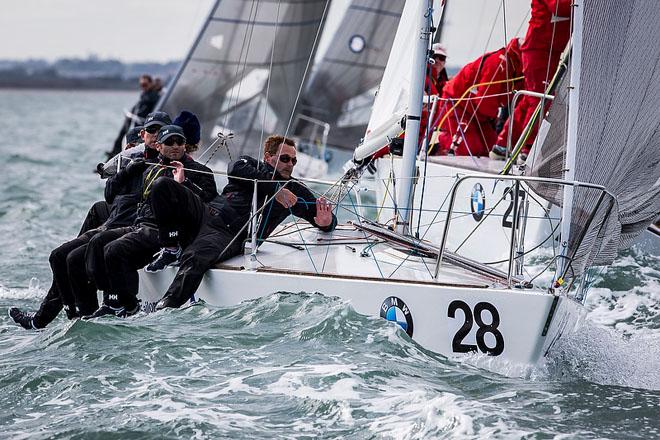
<point>284,366</point>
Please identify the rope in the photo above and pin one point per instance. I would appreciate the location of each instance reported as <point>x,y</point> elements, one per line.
<point>462,98</point>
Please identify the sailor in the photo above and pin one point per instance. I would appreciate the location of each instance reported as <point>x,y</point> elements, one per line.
<point>210,233</point>
<point>437,77</point>
<point>471,100</point>
<point>116,256</point>
<point>116,211</point>
<point>145,105</point>
<point>547,35</point>
<point>191,129</point>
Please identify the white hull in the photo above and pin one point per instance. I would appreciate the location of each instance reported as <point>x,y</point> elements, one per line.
<point>433,312</point>
<point>484,235</point>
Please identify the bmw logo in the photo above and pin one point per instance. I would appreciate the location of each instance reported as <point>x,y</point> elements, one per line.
<point>477,202</point>
<point>394,309</point>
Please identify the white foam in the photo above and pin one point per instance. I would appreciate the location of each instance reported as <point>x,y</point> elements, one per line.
<point>32,291</point>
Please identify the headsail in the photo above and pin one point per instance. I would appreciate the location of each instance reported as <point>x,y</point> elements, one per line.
<point>618,140</point>
<point>342,85</point>
<point>225,78</point>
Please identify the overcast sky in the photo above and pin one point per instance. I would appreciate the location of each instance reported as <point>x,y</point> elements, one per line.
<point>163,30</point>
<point>130,30</point>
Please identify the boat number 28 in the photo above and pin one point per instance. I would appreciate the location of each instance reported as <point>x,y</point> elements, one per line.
<point>481,309</point>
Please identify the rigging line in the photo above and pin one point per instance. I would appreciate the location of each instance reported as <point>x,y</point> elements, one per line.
<point>302,82</point>
<point>304,242</point>
<point>367,239</point>
<point>327,250</point>
<point>467,146</point>
<point>528,251</point>
<point>270,72</point>
<point>245,48</point>
<point>482,221</point>
<point>490,35</point>
<point>410,254</point>
<point>440,208</point>
<point>462,98</point>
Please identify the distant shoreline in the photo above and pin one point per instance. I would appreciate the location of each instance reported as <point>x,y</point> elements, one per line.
<point>70,84</point>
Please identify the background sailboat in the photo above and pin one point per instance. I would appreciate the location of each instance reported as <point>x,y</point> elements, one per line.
<point>254,69</point>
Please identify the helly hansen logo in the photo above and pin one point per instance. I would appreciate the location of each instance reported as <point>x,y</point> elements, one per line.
<point>173,234</point>
<point>113,297</point>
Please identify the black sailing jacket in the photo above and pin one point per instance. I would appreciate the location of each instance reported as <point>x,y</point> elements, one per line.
<point>201,183</point>
<point>235,202</point>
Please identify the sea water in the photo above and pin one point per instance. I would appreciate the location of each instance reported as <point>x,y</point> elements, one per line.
<point>286,365</point>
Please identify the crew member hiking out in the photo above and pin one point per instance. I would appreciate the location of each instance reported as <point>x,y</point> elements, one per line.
<point>67,261</point>
<point>116,259</point>
<point>211,233</point>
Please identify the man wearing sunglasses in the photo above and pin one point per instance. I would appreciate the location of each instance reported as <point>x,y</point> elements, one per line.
<point>113,258</point>
<point>67,261</point>
<point>213,232</point>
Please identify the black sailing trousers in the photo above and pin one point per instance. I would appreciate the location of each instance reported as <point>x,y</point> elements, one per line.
<point>60,294</point>
<point>182,217</point>
<point>123,258</point>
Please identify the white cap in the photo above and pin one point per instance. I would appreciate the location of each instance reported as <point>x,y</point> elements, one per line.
<point>439,49</point>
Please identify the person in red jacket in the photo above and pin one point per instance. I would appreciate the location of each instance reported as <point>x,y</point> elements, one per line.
<point>437,77</point>
<point>470,102</point>
<point>546,38</point>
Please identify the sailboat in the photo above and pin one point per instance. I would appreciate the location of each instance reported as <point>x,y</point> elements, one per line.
<point>443,295</point>
<point>289,67</point>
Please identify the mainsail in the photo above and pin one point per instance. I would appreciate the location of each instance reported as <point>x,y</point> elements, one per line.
<point>245,68</point>
<point>342,86</point>
<point>618,139</point>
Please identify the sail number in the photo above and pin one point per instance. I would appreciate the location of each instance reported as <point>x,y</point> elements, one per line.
<point>470,318</point>
<point>507,217</point>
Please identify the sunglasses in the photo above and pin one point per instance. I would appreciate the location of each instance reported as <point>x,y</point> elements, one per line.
<point>178,140</point>
<point>152,129</point>
<point>285,158</point>
<point>440,57</point>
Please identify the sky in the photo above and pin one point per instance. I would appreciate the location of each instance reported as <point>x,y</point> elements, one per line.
<point>129,30</point>
<point>163,30</point>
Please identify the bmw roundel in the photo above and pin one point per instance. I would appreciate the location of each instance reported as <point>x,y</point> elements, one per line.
<point>394,309</point>
<point>477,202</point>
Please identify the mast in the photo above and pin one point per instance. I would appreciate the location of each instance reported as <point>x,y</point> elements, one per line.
<point>571,133</point>
<point>413,117</point>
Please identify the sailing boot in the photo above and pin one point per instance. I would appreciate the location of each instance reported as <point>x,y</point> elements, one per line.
<point>167,302</point>
<point>109,306</point>
<point>71,312</point>
<point>21,318</point>
<point>166,257</point>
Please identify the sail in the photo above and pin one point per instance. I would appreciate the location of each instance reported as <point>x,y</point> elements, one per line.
<point>618,138</point>
<point>227,80</point>
<point>470,28</point>
<point>342,86</point>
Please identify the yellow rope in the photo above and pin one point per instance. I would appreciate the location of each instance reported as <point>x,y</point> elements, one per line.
<point>462,98</point>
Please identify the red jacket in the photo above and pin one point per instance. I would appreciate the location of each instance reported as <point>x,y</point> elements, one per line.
<point>491,67</point>
<point>540,30</point>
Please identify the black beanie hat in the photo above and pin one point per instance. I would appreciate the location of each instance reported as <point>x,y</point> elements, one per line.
<point>190,125</point>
